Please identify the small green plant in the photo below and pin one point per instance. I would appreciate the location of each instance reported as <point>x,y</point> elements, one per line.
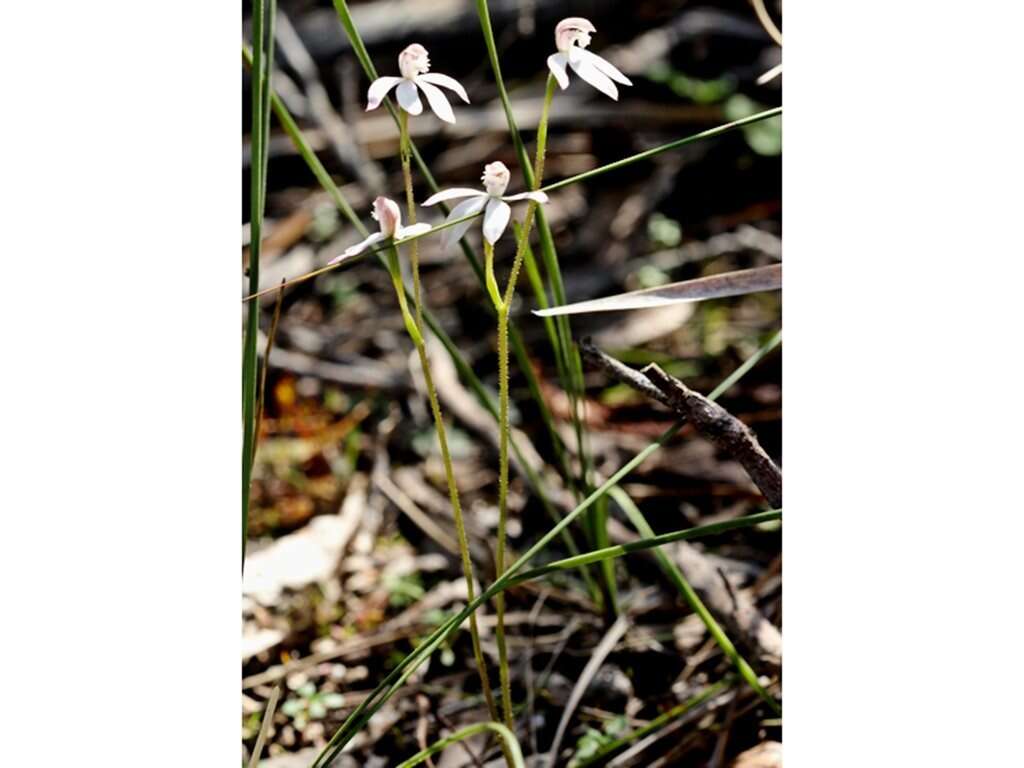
<point>593,741</point>
<point>307,704</point>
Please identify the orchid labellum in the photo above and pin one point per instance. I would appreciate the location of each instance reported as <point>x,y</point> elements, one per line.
<point>414,64</point>
<point>389,216</point>
<point>572,36</point>
<point>496,216</point>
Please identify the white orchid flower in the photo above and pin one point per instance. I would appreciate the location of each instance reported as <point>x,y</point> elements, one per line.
<point>414,64</point>
<point>572,36</point>
<point>498,212</point>
<point>389,216</point>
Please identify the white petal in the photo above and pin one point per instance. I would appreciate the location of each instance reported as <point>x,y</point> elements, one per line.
<point>412,230</point>
<point>465,208</point>
<point>585,69</point>
<point>556,63</point>
<point>436,78</point>
<point>539,196</point>
<point>452,194</point>
<point>437,101</point>
<point>378,90</point>
<point>409,97</point>
<point>496,219</point>
<point>603,65</point>
<point>358,248</point>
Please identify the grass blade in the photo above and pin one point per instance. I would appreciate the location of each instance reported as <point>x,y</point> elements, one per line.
<point>263,60</point>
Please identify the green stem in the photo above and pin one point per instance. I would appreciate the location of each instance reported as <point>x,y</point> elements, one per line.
<point>263,63</point>
<point>503,433</point>
<point>449,471</point>
<point>410,203</point>
<point>502,304</point>
<point>513,751</point>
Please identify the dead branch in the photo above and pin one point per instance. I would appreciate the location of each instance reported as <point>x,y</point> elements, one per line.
<point>723,429</point>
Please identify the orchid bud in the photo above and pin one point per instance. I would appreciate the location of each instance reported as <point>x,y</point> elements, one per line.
<point>413,61</point>
<point>573,30</point>
<point>388,215</point>
<point>496,177</point>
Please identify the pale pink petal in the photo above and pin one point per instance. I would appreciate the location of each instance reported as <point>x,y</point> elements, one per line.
<point>539,196</point>
<point>556,63</point>
<point>378,90</point>
<point>604,66</point>
<point>436,78</point>
<point>585,69</point>
<point>358,248</point>
<point>413,230</point>
<point>452,194</point>
<point>409,98</point>
<point>465,208</point>
<point>496,219</point>
<point>437,101</point>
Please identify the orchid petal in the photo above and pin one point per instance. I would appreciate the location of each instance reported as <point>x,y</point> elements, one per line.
<point>358,248</point>
<point>437,101</point>
<point>436,78</point>
<point>452,194</point>
<point>603,65</point>
<point>496,219</point>
<point>465,208</point>
<point>556,63</point>
<point>586,69</point>
<point>380,88</point>
<point>537,196</point>
<point>413,230</point>
<point>409,97</point>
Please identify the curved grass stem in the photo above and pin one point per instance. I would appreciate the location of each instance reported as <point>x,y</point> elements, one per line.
<point>511,745</point>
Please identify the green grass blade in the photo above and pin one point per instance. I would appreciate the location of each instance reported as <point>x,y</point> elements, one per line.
<point>263,60</point>
<point>648,154</point>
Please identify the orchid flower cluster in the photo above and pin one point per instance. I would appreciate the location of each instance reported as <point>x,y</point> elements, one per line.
<point>572,37</point>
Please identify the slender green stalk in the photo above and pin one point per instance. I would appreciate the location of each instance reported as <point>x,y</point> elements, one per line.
<point>263,62</point>
<point>509,739</point>
<point>572,365</point>
<point>502,305</point>
<point>691,597</point>
<point>397,677</point>
<point>663,148</point>
<point>650,542</point>
<point>404,150</point>
<point>449,472</point>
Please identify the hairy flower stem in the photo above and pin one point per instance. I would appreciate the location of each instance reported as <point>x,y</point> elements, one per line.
<point>405,152</point>
<point>453,491</point>
<point>502,304</point>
